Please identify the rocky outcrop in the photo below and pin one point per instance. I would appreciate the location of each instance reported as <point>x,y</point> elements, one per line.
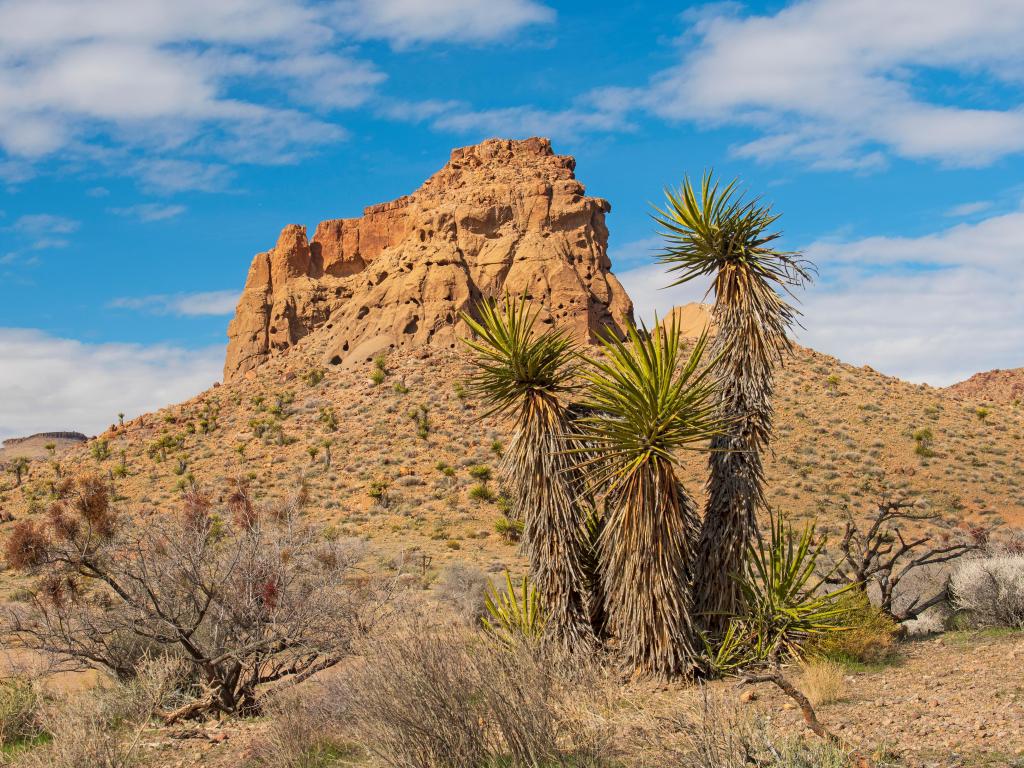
<point>692,319</point>
<point>1004,386</point>
<point>500,216</point>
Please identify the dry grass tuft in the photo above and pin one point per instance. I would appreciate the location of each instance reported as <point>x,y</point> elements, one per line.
<point>823,681</point>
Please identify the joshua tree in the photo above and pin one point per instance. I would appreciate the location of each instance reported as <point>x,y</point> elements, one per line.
<point>525,375</point>
<point>715,232</point>
<point>646,401</point>
<point>19,465</point>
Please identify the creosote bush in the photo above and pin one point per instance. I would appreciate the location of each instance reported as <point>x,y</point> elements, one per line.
<point>869,635</point>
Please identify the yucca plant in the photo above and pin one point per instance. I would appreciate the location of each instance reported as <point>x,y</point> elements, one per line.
<point>715,232</point>
<point>787,605</point>
<point>514,615</point>
<point>647,400</point>
<point>525,375</point>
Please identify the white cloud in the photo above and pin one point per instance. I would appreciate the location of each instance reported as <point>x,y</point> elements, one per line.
<point>628,255</point>
<point>167,175</point>
<point>843,83</point>
<point>36,224</point>
<point>147,212</point>
<point>169,79</point>
<point>49,383</point>
<point>42,231</point>
<point>404,22</point>
<point>931,309</point>
<point>968,209</point>
<point>183,304</point>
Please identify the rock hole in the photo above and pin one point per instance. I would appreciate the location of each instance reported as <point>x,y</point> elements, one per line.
<point>412,325</point>
<point>363,312</point>
<point>336,360</point>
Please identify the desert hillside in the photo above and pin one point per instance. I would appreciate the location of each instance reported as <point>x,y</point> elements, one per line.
<point>344,370</point>
<point>841,429</point>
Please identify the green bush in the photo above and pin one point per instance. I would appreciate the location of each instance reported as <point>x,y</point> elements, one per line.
<point>868,635</point>
<point>19,711</point>
<point>480,472</point>
<point>482,493</point>
<point>511,530</point>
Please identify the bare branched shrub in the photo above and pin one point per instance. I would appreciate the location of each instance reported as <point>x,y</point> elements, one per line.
<point>716,733</point>
<point>990,590</point>
<point>248,600</point>
<point>304,731</point>
<point>463,587</point>
<point>447,699</point>
<point>881,555</point>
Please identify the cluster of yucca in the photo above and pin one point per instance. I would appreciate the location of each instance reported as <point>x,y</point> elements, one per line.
<point>616,546</point>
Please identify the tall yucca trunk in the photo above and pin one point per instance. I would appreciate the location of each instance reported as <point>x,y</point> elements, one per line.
<point>735,487</point>
<point>547,492</point>
<point>713,231</point>
<point>646,552</point>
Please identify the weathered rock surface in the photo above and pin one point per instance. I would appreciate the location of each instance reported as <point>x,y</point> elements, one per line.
<point>692,319</point>
<point>500,216</point>
<point>1003,386</point>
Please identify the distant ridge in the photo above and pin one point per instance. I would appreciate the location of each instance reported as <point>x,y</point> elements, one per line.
<point>75,436</point>
<point>1002,386</point>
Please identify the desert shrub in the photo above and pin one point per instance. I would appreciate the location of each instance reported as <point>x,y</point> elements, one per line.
<point>303,731</point>
<point>714,732</point>
<point>868,634</point>
<point>20,719</point>
<point>482,493</point>
<point>463,588</point>
<point>314,376</point>
<point>253,597</point>
<point>990,590</point>
<point>823,681</point>
<point>448,700</point>
<point>510,529</point>
<point>480,472</point>
<point>103,726</point>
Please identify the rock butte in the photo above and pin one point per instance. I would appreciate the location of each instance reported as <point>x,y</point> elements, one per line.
<point>501,216</point>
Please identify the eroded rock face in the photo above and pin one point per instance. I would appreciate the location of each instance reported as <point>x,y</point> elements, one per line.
<point>500,216</point>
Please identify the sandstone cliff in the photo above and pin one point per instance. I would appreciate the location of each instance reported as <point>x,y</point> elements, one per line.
<point>500,216</point>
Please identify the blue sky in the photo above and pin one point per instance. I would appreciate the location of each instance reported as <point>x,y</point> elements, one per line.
<point>148,148</point>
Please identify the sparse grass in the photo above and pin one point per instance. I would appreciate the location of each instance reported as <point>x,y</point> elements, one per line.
<point>823,681</point>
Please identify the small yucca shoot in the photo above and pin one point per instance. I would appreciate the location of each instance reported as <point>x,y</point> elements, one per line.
<point>787,606</point>
<point>514,615</point>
